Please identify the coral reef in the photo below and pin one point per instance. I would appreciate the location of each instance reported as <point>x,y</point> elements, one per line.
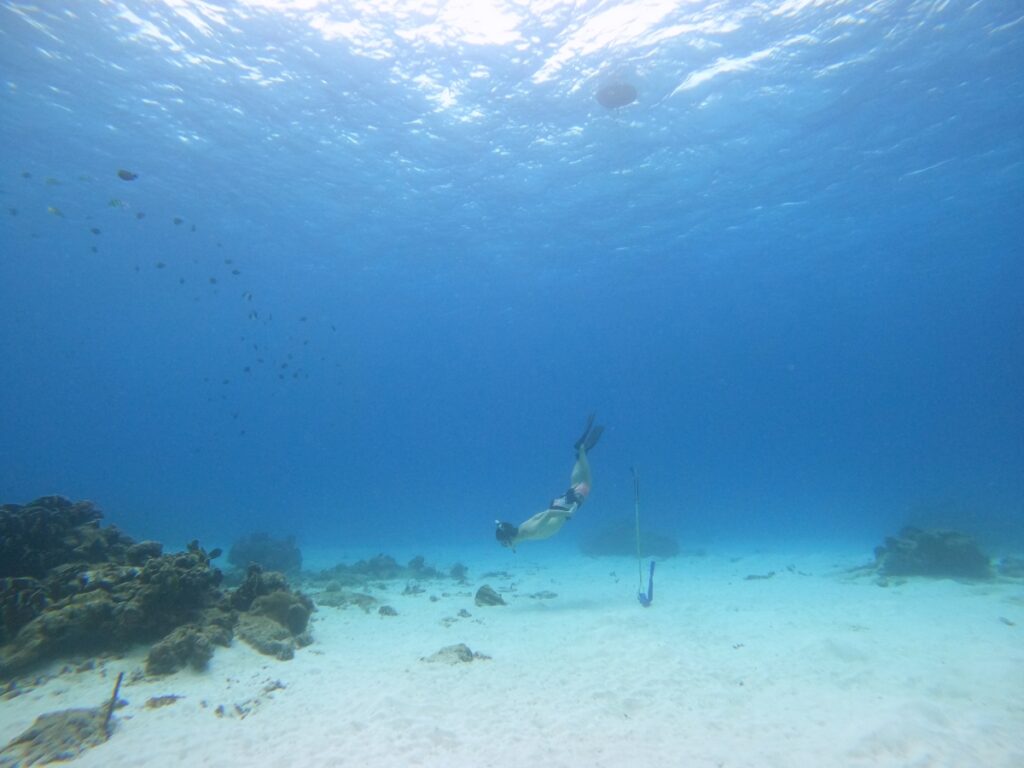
<point>70,586</point>
<point>273,618</point>
<point>269,553</point>
<point>935,553</point>
<point>53,531</point>
<point>619,538</point>
<point>190,645</point>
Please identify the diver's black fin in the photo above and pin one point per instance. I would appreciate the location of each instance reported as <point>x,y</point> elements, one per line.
<point>583,438</point>
<point>592,437</point>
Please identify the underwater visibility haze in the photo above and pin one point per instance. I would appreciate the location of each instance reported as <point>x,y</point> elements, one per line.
<point>359,271</point>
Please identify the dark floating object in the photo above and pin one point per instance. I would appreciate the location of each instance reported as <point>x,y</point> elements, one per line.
<point>127,175</point>
<point>140,215</point>
<point>160,265</point>
<point>213,281</point>
<point>178,221</point>
<point>95,230</point>
<point>615,95</point>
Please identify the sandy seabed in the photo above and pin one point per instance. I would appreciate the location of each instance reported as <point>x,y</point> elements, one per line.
<point>806,668</point>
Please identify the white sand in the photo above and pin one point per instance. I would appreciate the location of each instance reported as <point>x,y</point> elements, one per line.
<point>796,670</point>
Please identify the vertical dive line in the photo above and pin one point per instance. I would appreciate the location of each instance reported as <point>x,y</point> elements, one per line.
<point>636,509</point>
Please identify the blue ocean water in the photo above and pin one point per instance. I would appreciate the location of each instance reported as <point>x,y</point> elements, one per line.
<point>380,260</point>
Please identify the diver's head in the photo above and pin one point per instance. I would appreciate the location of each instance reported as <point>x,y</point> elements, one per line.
<point>505,533</point>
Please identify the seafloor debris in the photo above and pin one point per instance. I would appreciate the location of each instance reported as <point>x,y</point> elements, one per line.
<point>155,702</point>
<point>127,175</point>
<point>455,654</point>
<point>935,553</point>
<point>69,586</point>
<point>61,735</point>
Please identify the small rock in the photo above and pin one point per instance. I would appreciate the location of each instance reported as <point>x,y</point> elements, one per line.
<point>387,610</point>
<point>487,596</point>
<point>455,654</point>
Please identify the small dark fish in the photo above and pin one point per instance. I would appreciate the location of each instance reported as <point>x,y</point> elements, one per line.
<point>12,211</point>
<point>160,265</point>
<point>215,553</point>
<point>178,221</point>
<point>95,230</point>
<point>140,215</point>
<point>213,281</point>
<point>229,261</point>
<point>236,272</point>
<point>226,381</point>
<point>193,227</point>
<point>94,249</point>
<point>26,175</point>
<point>127,175</point>
<point>181,281</point>
<point>247,369</point>
<point>302,319</point>
<point>284,365</point>
<point>615,95</point>
<point>332,327</point>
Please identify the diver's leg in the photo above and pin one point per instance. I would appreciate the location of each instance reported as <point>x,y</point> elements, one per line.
<point>580,470</point>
